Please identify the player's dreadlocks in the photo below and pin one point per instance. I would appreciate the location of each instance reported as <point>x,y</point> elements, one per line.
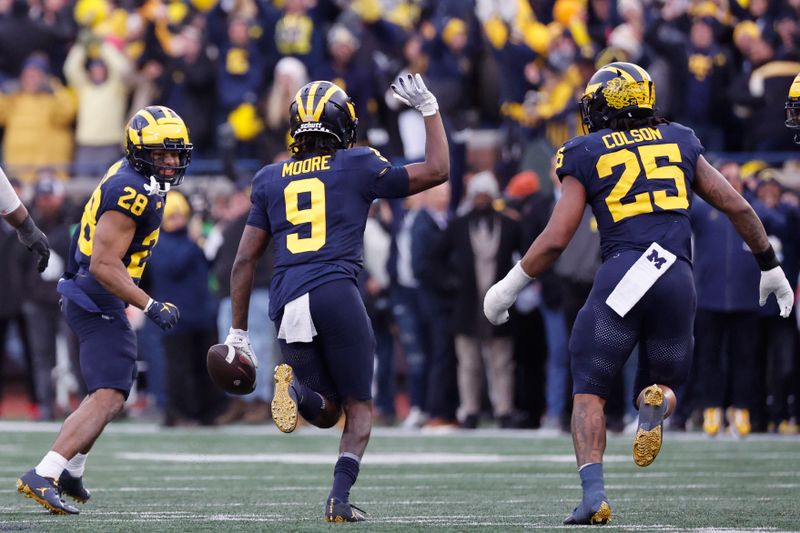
<point>631,123</point>
<point>313,143</point>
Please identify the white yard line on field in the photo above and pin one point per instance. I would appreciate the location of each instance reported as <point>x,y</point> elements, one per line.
<point>371,458</point>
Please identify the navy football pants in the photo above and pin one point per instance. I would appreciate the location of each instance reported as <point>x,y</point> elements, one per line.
<point>339,363</point>
<point>661,322</point>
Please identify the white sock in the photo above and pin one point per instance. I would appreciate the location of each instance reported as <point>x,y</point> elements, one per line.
<point>52,465</point>
<point>77,464</point>
<point>352,456</point>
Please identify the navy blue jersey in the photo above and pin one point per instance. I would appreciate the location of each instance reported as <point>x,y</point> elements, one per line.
<point>639,184</point>
<point>316,210</point>
<point>124,190</point>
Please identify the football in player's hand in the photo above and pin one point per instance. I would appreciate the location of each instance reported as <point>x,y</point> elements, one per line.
<point>230,370</point>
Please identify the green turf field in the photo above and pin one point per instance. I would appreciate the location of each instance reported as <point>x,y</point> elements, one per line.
<point>236,479</point>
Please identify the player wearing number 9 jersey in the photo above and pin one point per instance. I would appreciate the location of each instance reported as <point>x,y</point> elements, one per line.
<point>314,208</point>
<point>116,235</point>
<point>638,173</point>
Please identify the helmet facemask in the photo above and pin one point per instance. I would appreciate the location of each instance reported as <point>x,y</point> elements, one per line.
<point>153,129</point>
<point>793,117</point>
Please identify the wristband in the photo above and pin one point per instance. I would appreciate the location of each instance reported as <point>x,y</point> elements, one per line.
<point>516,278</point>
<point>27,229</point>
<point>767,260</point>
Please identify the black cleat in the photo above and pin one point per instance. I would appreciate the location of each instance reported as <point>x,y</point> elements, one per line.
<point>339,511</point>
<point>73,487</point>
<point>284,401</point>
<point>648,439</point>
<point>583,517</point>
<point>45,491</point>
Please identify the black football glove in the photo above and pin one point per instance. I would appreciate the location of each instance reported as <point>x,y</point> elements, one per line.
<point>35,241</point>
<point>165,315</point>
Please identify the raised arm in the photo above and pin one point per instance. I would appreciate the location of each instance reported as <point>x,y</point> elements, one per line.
<point>411,90</point>
<point>541,255</point>
<point>715,189</point>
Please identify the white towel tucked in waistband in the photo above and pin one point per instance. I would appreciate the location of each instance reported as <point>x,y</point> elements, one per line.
<point>297,325</point>
<point>642,275</point>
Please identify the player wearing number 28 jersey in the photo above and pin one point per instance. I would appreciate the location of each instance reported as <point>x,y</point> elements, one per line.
<point>116,235</point>
<point>638,173</point>
<point>314,208</point>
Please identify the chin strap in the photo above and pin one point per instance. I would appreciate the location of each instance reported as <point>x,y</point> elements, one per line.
<point>160,188</point>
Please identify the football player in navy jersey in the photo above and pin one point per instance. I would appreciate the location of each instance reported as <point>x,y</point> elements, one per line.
<point>110,249</point>
<point>793,108</point>
<point>637,171</point>
<point>314,208</point>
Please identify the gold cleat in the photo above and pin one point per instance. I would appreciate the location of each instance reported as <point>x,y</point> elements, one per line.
<point>284,402</point>
<point>739,421</point>
<point>45,492</point>
<point>712,421</point>
<point>603,515</point>
<point>647,442</point>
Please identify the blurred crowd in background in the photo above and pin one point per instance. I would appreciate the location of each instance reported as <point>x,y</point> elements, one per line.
<point>508,75</point>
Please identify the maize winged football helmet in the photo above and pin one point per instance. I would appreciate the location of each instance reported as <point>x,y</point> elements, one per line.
<point>322,107</point>
<point>617,90</point>
<point>158,128</point>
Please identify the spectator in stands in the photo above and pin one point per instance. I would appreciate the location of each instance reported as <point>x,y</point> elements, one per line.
<point>435,303</point>
<point>21,35</point>
<point>290,75</point>
<point>726,324</point>
<point>100,82</point>
<point>451,65</point>
<point>374,283</point>
<point>180,274</point>
<point>405,308</point>
<point>475,251</point>
<point>298,34</point>
<point>43,316</point>
<point>767,85</point>
<point>777,344</point>
<point>188,87</point>
<point>37,114</point>
<point>242,70</point>
<point>350,72</point>
<point>13,258</point>
<point>703,70</point>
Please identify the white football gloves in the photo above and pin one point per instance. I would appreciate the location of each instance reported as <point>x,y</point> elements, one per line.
<point>239,338</point>
<point>411,90</point>
<point>774,280</point>
<point>502,295</point>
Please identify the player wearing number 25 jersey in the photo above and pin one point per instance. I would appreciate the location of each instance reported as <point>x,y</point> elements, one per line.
<point>314,209</point>
<point>637,171</point>
<point>110,249</point>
